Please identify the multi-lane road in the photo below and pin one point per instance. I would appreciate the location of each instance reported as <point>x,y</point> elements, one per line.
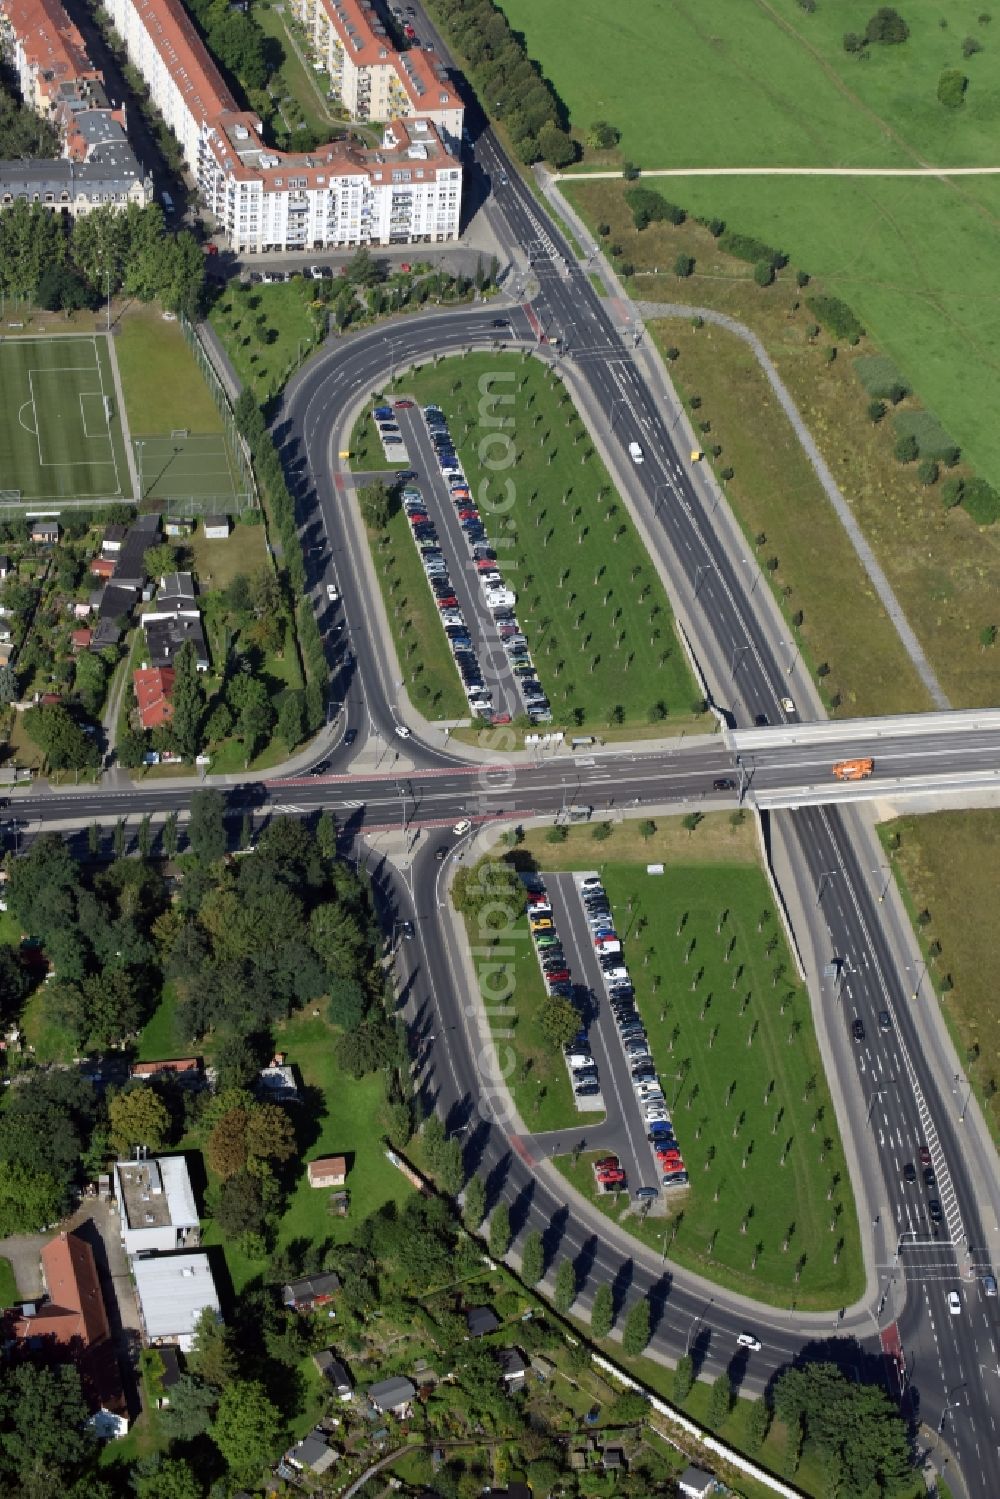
<point>894,1083</point>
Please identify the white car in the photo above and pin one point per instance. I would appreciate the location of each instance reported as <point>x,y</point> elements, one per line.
<point>747,1340</point>
<point>331,593</point>
<point>402,731</point>
<point>954,1303</point>
<point>654,1113</point>
<point>788,706</point>
<point>461,827</point>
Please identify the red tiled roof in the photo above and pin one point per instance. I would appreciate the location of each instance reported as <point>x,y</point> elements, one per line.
<point>172,1064</point>
<point>186,58</point>
<point>154,686</point>
<point>80,639</point>
<point>52,44</point>
<point>103,567</point>
<point>75,1311</point>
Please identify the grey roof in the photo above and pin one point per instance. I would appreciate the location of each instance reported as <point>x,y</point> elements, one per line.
<point>173,1290</point>
<point>142,534</point>
<point>480,1320</point>
<point>512,1361</point>
<point>106,633</point>
<point>312,1453</point>
<point>392,1393</point>
<point>64,179</point>
<point>166,636</point>
<point>696,1481</point>
<point>176,591</point>
<point>210,521</point>
<point>117,600</point>
<point>309,1287</point>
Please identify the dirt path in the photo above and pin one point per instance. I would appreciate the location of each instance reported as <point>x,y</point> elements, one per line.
<point>785,172</point>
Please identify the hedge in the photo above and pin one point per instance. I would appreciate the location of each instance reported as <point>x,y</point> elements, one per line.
<point>745,247</point>
<point>837,317</point>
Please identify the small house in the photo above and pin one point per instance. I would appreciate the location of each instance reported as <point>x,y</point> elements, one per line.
<point>513,1367</point>
<point>613,1459</point>
<point>335,1372</point>
<point>310,1291</point>
<point>177,527</point>
<point>45,532</point>
<point>311,1455</point>
<point>328,1171</point>
<point>393,1396</point>
<point>113,540</point>
<point>4,569</point>
<point>102,567</point>
<point>82,608</point>
<point>216,527</point>
<point>481,1320</point>
<point>79,639</point>
<point>154,695</point>
<point>181,1069</point>
<point>695,1483</point>
<point>106,633</point>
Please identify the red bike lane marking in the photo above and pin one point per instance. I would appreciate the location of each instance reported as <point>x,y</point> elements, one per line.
<point>517,1144</point>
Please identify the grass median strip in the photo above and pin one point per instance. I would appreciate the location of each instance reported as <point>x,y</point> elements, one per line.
<point>731,1033</point>
<point>596,617</point>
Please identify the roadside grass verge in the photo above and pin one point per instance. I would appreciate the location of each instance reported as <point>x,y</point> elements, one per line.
<point>8,1285</point>
<point>267,330</point>
<point>720,838</point>
<point>415,621</point>
<point>164,389</point>
<point>943,863</point>
<point>590,602</point>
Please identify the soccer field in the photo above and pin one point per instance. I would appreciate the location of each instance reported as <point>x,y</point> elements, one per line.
<point>60,429</point>
<point>190,472</point>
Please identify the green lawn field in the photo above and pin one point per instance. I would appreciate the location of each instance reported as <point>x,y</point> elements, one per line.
<point>60,429</point>
<point>591,605</point>
<point>914,258</point>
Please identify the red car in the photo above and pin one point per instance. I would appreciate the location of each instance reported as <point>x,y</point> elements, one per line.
<point>610,1178</point>
<point>468,512</point>
<point>925,1155</point>
<point>488,565</point>
<point>500,718</point>
<point>402,405</point>
<point>446,601</point>
<point>557,976</point>
<point>608,1163</point>
<point>674,1162</point>
<point>418,517</point>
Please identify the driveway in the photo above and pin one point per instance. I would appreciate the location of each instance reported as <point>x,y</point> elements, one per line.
<point>23,1251</point>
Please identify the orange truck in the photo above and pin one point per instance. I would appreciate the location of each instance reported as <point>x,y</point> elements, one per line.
<point>853,770</point>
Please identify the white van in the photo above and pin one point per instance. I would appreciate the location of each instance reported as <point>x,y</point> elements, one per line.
<point>635,452</point>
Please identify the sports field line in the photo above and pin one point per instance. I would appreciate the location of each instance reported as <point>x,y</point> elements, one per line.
<point>784,172</point>
<point>107,407</point>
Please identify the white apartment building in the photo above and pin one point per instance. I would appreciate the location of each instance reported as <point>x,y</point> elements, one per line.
<point>338,195</point>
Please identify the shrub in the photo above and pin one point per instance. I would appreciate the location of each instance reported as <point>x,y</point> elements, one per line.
<point>876,410</point>
<point>672,353</point>
<point>907,449</point>
<point>981,501</point>
<point>971,46</point>
<point>763,273</point>
<point>880,377</point>
<point>836,316</point>
<point>952,491</point>
<point>649,207</point>
<point>928,472</point>
<point>627,268</point>
<point>630,171</point>
<point>801,279</point>
<point>604,230</point>
<point>809,6</point>
<point>603,137</point>
<point>951,88</point>
<point>745,247</point>
<point>932,439</point>
<point>853,43</point>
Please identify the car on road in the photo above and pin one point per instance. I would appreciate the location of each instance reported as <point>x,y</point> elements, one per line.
<point>989,1285</point>
<point>349,736</point>
<point>884,1021</point>
<point>403,405</point>
<point>934,1210</point>
<point>858,1029</point>
<point>924,1155</point>
<point>909,1173</point>
<point>441,852</point>
<point>402,731</point>
<point>787,706</point>
<point>747,1340</point>
<point>645,1194</point>
<point>954,1303</point>
<point>332,593</point>
<point>406,930</point>
<point>724,783</point>
<point>930,1180</point>
<point>461,827</point>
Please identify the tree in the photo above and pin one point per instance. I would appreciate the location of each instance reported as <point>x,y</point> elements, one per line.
<point>876,411</point>
<point>853,42</point>
<point>269,1134</point>
<point>951,88</point>
<point>602,137</point>
<point>763,272</point>
<point>169,838</point>
<point>450,1171</point>
<point>565,1289</point>
<point>374,502</point>
<point>62,740</point>
<point>370,1047</point>
<point>241,1205</point>
<point>226,1147</point>
<point>246,1430</point>
<point>499,1237</point>
<point>207,828</point>
<point>347,1004</point>
<point>160,1477</point>
<point>556,145</point>
<point>887,27</point>
<point>683,1378</point>
<point>533,1258</point>
<point>602,1312</point>
<point>647,828</point>
<point>43,1431</point>
<point>928,471</point>
<point>8,684</point>
<point>684,266</point>
<point>138,1116</point>
<point>291,719</point>
<point>326,835</point>
<point>758,1425</point>
<point>560,1021</point>
<point>636,1332</point>
<point>856,1425</point>
<point>30,1200</point>
<point>212,1358</point>
<point>189,703</point>
<point>160,559</point>
<point>692,821</point>
<point>190,1409</point>
<point>907,449</point>
<point>720,1401</point>
<point>474,1207</point>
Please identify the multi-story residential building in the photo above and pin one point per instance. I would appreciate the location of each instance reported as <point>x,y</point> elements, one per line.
<point>372,80</point>
<point>339,194</point>
<point>59,81</point>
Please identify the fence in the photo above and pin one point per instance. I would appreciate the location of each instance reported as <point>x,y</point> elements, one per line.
<point>238,447</point>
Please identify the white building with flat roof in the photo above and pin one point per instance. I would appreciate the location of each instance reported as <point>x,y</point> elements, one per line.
<point>172,1291</point>
<point>156,1205</point>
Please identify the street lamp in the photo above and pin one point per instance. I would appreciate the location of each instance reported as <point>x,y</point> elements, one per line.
<point>957,1090</point>
<point>793,646</point>
<point>826,874</point>
<point>139,445</point>
<point>890,1082</point>
<point>920,969</point>
<point>883,869</point>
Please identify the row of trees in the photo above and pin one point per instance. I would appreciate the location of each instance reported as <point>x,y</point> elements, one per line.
<point>505,76</point>
<point>63,263</point>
